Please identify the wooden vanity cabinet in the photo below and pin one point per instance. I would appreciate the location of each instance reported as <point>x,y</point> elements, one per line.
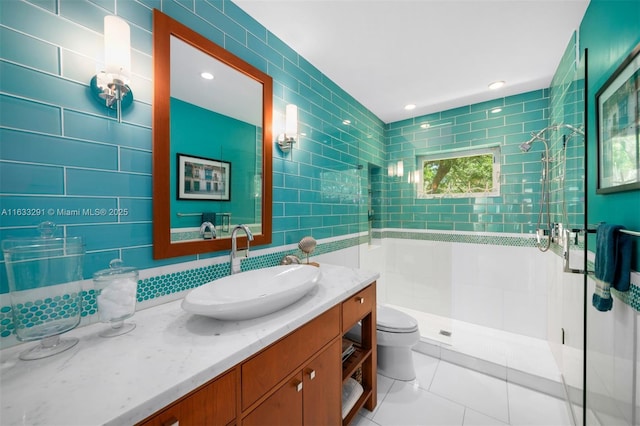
<point>294,381</point>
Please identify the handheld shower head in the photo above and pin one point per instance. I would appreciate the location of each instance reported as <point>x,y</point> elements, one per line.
<point>525,146</point>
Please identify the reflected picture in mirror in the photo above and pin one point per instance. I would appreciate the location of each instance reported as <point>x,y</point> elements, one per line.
<point>211,110</point>
<point>203,179</point>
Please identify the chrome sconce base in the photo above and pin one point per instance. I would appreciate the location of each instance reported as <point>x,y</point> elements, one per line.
<point>113,94</point>
<point>285,143</point>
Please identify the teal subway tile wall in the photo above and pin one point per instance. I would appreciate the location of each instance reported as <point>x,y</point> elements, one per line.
<point>62,152</point>
<point>515,210</point>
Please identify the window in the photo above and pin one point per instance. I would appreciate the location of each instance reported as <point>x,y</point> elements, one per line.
<point>460,173</point>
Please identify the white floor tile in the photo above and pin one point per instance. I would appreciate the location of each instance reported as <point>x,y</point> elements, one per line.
<point>448,394</point>
<point>406,404</point>
<point>478,391</point>
<point>362,421</point>
<point>528,407</point>
<point>473,418</point>
<point>384,385</point>
<point>425,369</point>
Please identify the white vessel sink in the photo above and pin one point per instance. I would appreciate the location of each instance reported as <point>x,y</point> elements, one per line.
<point>252,294</point>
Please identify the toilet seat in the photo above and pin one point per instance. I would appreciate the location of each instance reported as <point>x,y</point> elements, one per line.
<point>393,321</point>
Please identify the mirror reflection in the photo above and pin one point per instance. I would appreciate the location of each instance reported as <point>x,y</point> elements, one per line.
<point>212,144</point>
<point>216,139</point>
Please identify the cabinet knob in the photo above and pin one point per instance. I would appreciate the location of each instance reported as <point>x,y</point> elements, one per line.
<point>360,300</point>
<point>298,386</point>
<point>172,421</point>
<point>312,374</point>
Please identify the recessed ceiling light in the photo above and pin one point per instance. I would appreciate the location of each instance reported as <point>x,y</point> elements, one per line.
<point>425,125</point>
<point>496,84</point>
<point>409,107</point>
<point>207,75</point>
<point>346,122</point>
<point>496,110</point>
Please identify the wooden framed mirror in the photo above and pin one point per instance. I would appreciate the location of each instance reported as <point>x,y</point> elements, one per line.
<point>212,143</point>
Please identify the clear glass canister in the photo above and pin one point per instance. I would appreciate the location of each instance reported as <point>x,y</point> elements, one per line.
<point>116,293</point>
<point>44,276</point>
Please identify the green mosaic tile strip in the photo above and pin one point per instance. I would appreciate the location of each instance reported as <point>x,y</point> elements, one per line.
<point>163,285</point>
<point>459,238</point>
<point>185,236</point>
<point>154,287</point>
<point>37,312</point>
<point>630,297</point>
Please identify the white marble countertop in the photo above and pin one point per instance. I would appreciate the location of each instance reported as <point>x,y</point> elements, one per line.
<point>124,379</point>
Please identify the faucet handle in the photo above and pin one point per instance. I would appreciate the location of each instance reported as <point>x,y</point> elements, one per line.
<point>208,230</point>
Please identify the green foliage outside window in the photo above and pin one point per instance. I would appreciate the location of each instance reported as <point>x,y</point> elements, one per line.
<point>460,176</point>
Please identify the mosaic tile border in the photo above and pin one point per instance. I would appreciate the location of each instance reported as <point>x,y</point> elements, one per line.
<point>162,285</point>
<point>165,284</point>
<point>630,297</point>
<point>498,240</point>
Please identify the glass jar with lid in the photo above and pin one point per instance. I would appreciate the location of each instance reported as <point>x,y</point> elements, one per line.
<point>116,294</point>
<point>44,275</point>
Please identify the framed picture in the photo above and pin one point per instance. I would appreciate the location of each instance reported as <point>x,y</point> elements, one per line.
<point>618,117</point>
<point>203,178</point>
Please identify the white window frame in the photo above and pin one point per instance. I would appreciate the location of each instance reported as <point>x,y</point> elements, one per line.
<point>494,150</point>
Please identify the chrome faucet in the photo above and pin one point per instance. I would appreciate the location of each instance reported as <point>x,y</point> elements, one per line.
<point>234,260</point>
<point>207,231</point>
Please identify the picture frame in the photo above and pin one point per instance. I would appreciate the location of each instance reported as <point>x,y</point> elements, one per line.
<point>201,178</point>
<point>618,121</point>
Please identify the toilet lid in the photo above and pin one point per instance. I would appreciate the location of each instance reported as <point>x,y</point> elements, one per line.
<point>394,321</point>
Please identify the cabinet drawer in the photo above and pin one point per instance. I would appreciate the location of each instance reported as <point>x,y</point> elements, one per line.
<point>262,372</point>
<point>357,306</point>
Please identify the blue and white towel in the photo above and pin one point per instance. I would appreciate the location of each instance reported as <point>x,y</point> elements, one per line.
<point>612,264</point>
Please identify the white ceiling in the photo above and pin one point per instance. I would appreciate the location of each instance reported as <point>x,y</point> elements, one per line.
<point>436,54</point>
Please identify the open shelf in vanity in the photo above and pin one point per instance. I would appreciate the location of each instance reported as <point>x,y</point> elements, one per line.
<point>361,309</point>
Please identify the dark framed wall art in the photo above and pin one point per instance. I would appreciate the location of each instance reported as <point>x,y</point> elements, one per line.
<point>618,120</point>
<point>202,178</point>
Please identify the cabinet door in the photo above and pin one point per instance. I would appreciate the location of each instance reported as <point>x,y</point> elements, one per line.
<point>284,407</point>
<point>322,397</point>
<point>213,405</point>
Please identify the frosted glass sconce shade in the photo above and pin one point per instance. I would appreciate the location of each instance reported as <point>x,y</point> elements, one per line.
<point>288,138</point>
<point>111,85</point>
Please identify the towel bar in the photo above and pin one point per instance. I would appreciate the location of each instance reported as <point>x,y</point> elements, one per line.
<point>577,232</point>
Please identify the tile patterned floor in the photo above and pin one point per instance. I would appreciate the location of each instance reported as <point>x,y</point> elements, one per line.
<point>447,394</point>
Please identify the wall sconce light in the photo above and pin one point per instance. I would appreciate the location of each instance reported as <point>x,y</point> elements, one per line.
<point>288,138</point>
<point>396,169</point>
<point>111,85</point>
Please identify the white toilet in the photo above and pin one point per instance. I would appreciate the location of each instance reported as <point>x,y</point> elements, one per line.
<point>397,334</point>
